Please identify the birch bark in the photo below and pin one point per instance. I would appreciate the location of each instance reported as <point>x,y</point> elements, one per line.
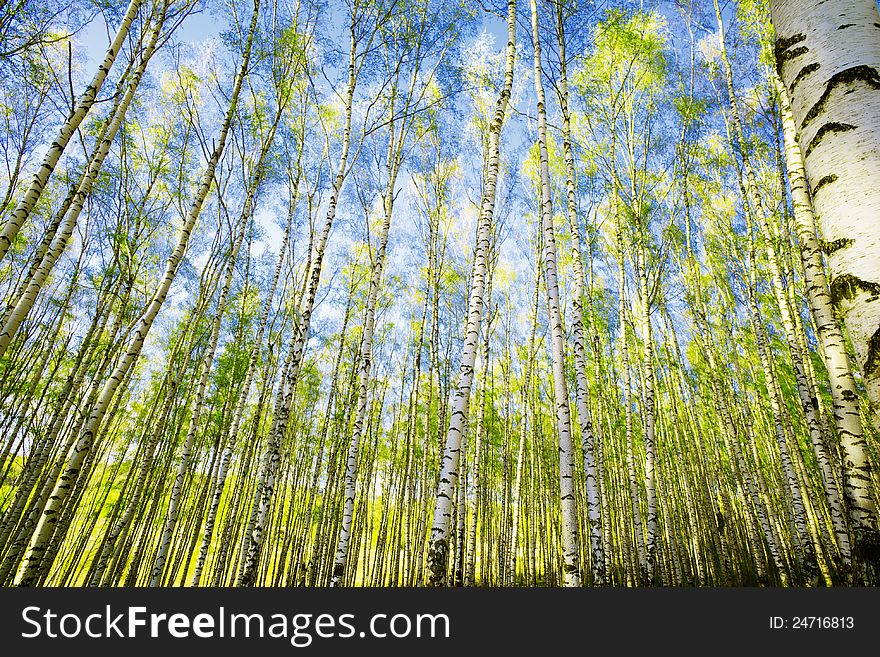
<point>56,503</point>
<point>438,547</point>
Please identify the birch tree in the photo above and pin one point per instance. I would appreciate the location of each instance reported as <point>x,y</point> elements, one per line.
<point>46,527</point>
<point>832,86</point>
<point>26,204</point>
<point>570,552</point>
<point>438,548</point>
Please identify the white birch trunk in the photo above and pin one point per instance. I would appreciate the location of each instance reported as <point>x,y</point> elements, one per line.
<point>570,552</point>
<point>244,394</point>
<point>857,468</point>
<point>365,364</point>
<point>755,207</point>
<point>588,438</point>
<point>650,422</point>
<point>290,376</point>
<point>24,207</point>
<point>438,547</point>
<point>49,518</point>
<point>828,57</point>
<point>470,549</point>
<point>208,360</point>
<point>58,244</point>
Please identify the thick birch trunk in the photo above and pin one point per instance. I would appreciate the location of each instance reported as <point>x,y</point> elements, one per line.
<point>857,467</point>
<point>828,57</point>
<point>755,207</point>
<point>470,550</point>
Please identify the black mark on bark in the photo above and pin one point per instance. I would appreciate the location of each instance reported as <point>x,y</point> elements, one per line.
<point>830,247</point>
<point>846,286</point>
<point>824,180</point>
<point>781,46</point>
<point>862,73</point>
<point>830,128</point>
<point>794,53</point>
<point>804,72</point>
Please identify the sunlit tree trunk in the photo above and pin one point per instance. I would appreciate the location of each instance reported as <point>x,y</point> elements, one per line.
<point>365,362</point>
<point>570,553</point>
<point>438,547</point>
<point>828,56</point>
<point>85,102</point>
<point>756,208</point>
<point>648,382</point>
<point>588,438</point>
<point>208,359</point>
<point>476,484</point>
<point>26,302</point>
<point>56,503</point>
<point>857,467</point>
<point>302,321</point>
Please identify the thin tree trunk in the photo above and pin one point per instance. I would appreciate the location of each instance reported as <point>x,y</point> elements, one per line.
<point>588,438</point>
<point>296,348</point>
<point>22,211</point>
<point>59,243</point>
<point>56,503</point>
<point>570,552</point>
<point>439,541</point>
